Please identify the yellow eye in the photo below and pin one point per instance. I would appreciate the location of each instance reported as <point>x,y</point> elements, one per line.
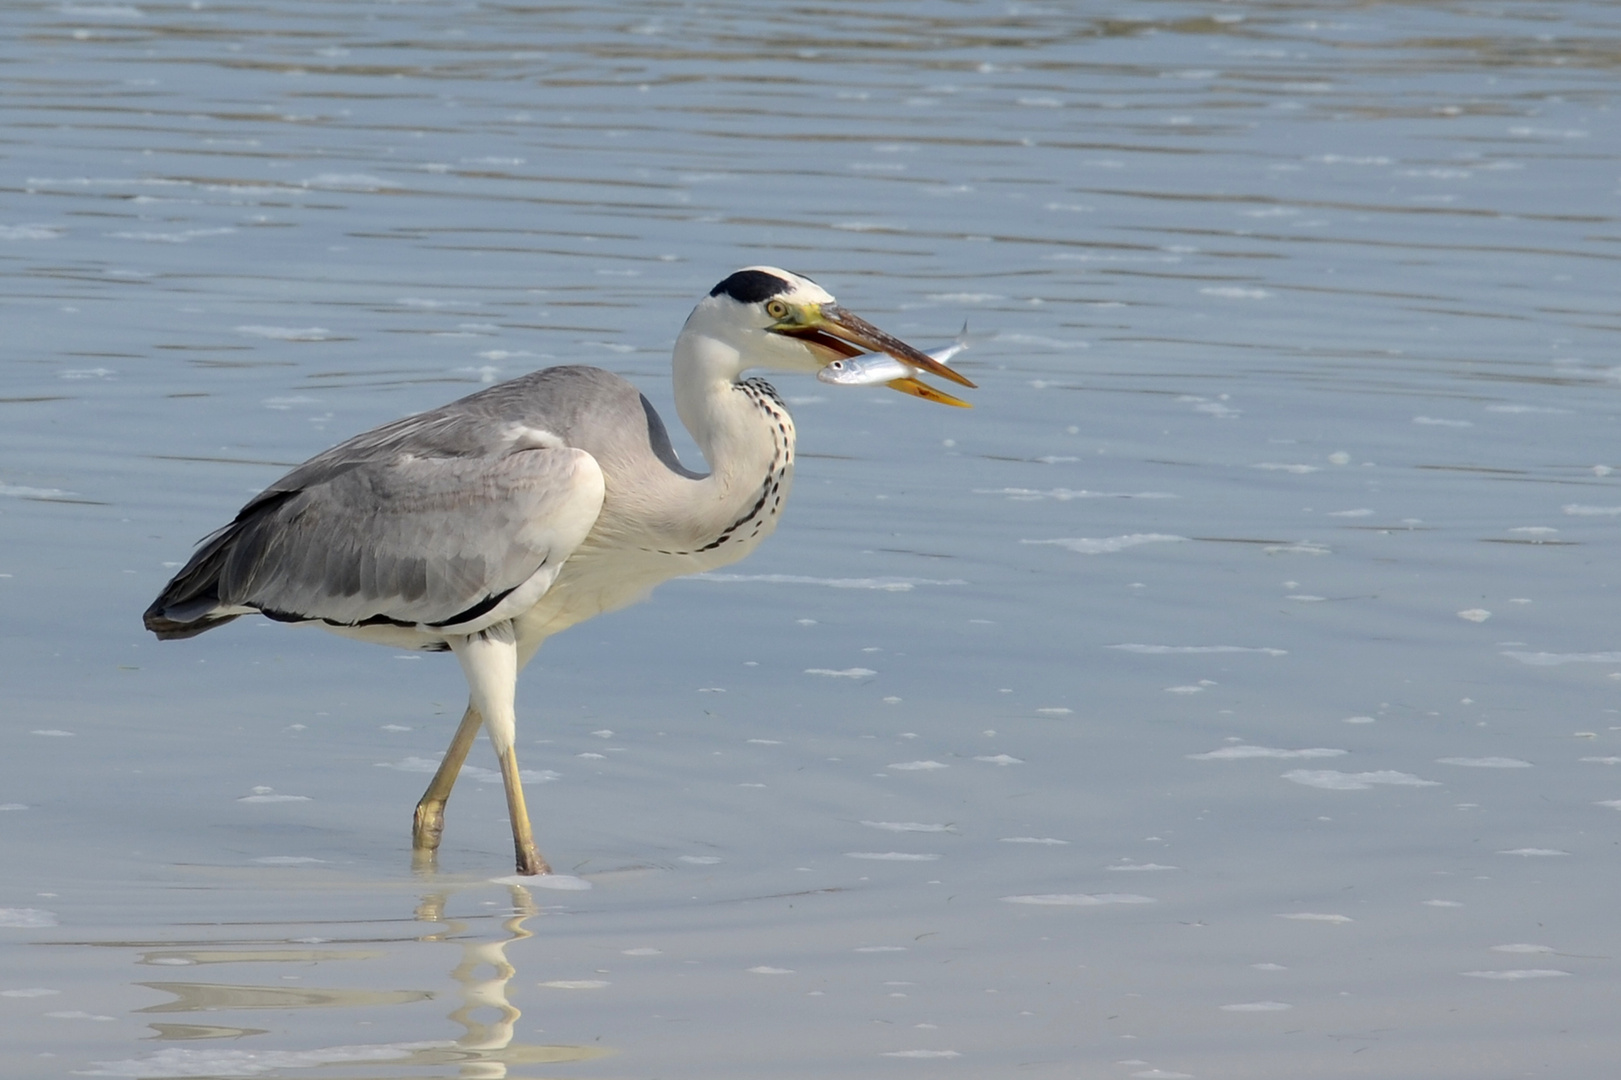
<point>776,309</point>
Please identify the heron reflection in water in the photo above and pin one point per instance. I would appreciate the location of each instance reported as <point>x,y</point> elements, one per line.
<point>487,525</point>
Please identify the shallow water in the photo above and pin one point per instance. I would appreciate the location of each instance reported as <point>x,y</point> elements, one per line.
<point>1232,693</point>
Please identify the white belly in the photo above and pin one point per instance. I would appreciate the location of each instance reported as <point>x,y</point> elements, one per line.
<point>605,575</point>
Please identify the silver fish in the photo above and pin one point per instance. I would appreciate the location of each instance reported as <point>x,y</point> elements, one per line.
<point>870,369</point>
<point>874,368</point>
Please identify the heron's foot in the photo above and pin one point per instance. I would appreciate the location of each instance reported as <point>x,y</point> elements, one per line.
<point>529,860</point>
<point>428,826</point>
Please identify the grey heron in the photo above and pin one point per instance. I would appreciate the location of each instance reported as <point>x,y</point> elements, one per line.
<point>489,524</point>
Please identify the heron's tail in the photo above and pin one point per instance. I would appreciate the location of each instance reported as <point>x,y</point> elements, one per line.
<point>190,603</point>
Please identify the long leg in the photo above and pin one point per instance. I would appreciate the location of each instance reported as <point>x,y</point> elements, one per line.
<point>490,661</point>
<point>430,814</point>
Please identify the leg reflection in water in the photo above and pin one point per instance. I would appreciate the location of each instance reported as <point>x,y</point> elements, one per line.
<point>486,1048</point>
<point>490,991</point>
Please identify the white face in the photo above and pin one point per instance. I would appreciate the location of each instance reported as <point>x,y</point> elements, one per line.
<point>753,310</point>
<point>763,316</point>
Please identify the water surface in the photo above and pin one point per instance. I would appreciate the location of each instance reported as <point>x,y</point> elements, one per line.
<point>1231,693</point>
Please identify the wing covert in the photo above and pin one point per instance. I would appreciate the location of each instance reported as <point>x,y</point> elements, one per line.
<point>413,538</point>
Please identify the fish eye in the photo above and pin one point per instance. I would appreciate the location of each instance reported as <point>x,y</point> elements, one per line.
<point>776,309</point>
<point>836,365</point>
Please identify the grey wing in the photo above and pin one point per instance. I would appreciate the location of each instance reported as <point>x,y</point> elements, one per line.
<point>446,543</point>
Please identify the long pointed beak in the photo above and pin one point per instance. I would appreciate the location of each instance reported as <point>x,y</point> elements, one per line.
<point>919,388</point>
<point>845,326</point>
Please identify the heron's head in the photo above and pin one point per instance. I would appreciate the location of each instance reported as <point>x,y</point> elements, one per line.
<point>773,318</point>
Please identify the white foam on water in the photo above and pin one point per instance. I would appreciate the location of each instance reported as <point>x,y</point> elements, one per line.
<point>20,491</point>
<point>1108,545</point>
<point>1001,759</point>
<point>1517,973</point>
<point>1218,410</point>
<point>1485,762</point>
<point>1581,510</point>
<point>1033,840</point>
<point>881,584</point>
<point>965,297</point>
<point>1236,753</point>
<point>1256,1006</point>
<point>477,773</point>
<point>1067,494</point>
<point>1142,866</point>
<point>1302,548</point>
<point>1288,467</point>
<point>1235,292</point>
<point>575,984</point>
<point>891,856</point>
<point>842,673</point>
<point>1079,899</point>
<point>1534,852</point>
<point>764,969</point>
<point>411,765</point>
<point>1045,342</point>
<point>219,1061</point>
<point>269,795</point>
<point>348,182</point>
<point>917,766</point>
<point>102,11</point>
<point>908,826</point>
<point>1547,659</point>
<point>286,333</point>
<point>1332,780</point>
<point>1315,916</point>
<point>921,1053</point>
<point>1521,947</point>
<point>1437,421</point>
<point>1475,615</point>
<point>555,882</point>
<point>181,236</point>
<point>29,232</point>
<point>1167,650</point>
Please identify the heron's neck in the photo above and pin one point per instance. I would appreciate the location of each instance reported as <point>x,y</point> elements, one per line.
<point>743,435</point>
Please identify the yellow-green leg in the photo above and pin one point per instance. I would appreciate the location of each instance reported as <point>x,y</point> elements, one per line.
<point>489,659</point>
<point>429,824</point>
<point>523,837</point>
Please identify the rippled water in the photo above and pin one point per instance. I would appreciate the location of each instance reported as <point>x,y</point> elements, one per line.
<point>1231,693</point>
